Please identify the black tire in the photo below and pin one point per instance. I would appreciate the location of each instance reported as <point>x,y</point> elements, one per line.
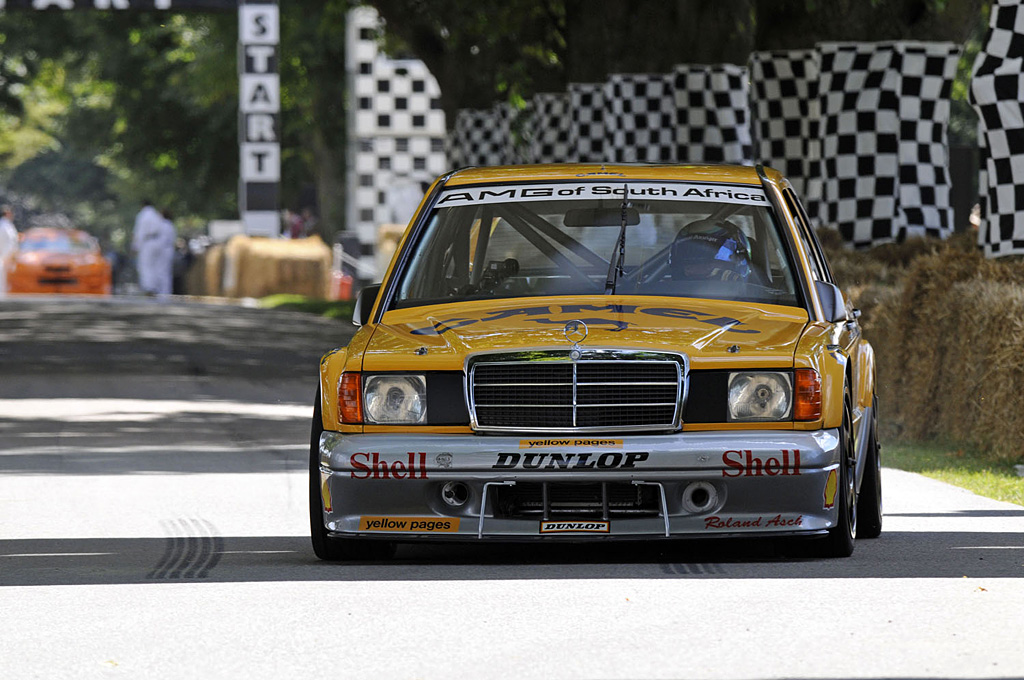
<point>869,505</point>
<point>841,538</point>
<point>332,548</point>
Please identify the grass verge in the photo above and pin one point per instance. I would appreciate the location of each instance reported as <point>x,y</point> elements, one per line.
<point>966,469</point>
<point>333,309</point>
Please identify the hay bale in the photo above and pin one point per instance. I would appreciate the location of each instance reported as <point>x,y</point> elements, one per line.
<point>203,276</point>
<point>986,404</point>
<point>388,237</point>
<point>922,351</point>
<point>213,270</point>
<point>257,267</point>
<point>947,343</point>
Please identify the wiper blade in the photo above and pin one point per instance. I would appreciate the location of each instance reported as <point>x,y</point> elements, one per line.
<point>615,262</point>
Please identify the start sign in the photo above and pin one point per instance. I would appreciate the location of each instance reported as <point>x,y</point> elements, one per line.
<point>259,103</point>
<point>259,113</point>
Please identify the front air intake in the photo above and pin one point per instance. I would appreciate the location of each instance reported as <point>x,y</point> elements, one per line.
<point>602,391</point>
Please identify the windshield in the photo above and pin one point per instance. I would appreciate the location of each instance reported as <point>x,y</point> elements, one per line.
<point>681,240</point>
<point>58,242</point>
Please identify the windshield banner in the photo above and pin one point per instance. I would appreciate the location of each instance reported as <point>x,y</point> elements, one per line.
<point>661,191</point>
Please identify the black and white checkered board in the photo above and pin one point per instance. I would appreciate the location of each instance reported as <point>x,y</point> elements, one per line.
<point>550,127</point>
<point>640,118</point>
<point>481,137</point>
<point>786,127</point>
<point>926,74</point>
<point>860,142</point>
<point>997,92</point>
<point>398,135</point>
<point>586,122</point>
<point>712,114</point>
<point>985,225</point>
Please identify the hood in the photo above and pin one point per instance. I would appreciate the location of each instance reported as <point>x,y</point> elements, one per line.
<point>713,333</point>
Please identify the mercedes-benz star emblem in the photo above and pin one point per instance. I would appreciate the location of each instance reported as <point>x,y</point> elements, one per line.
<point>576,332</point>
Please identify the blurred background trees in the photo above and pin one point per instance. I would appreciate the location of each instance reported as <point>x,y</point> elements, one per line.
<point>101,109</point>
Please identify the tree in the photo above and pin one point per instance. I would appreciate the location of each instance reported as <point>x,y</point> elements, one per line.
<point>482,50</point>
<point>149,102</point>
<point>494,49</point>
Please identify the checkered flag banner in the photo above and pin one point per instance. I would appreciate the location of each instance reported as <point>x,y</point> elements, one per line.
<point>860,129</point>
<point>397,133</point>
<point>983,190</point>
<point>481,137</point>
<point>926,74</point>
<point>712,114</point>
<point>640,118</point>
<point>860,142</point>
<point>549,127</point>
<point>786,127</point>
<point>997,93</point>
<point>586,122</point>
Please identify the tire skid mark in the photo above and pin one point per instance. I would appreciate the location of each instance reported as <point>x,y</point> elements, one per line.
<point>215,545</point>
<point>205,550</point>
<point>169,546</point>
<point>696,569</point>
<point>190,549</point>
<point>193,547</point>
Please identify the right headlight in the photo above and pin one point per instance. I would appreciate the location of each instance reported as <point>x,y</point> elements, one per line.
<point>395,399</point>
<point>760,396</point>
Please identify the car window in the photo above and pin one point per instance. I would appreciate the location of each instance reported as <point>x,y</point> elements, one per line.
<point>815,258</point>
<point>65,243</point>
<point>681,240</point>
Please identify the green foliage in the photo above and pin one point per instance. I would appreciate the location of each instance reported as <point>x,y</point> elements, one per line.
<point>970,469</point>
<point>136,104</point>
<point>145,104</point>
<point>481,51</point>
<point>333,309</point>
<point>963,120</point>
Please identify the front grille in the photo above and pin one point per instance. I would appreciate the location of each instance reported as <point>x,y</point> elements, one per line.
<point>599,500</point>
<point>585,395</point>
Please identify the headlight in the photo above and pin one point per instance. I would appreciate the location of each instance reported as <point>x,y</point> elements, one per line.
<point>760,396</point>
<point>395,399</point>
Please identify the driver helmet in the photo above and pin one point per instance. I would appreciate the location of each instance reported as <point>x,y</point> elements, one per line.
<point>710,250</point>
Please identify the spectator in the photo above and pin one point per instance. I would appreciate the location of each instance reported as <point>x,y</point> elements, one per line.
<point>296,227</point>
<point>146,246</point>
<point>310,226</point>
<point>164,255</point>
<point>182,262</point>
<point>8,244</point>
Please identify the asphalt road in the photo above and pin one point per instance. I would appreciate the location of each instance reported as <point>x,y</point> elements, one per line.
<point>118,335</point>
<point>154,526</point>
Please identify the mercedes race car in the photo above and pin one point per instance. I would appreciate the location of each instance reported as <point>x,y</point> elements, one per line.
<point>599,352</point>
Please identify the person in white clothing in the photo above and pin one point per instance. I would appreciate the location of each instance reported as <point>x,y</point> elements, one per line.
<point>164,274</point>
<point>8,245</point>
<point>146,246</point>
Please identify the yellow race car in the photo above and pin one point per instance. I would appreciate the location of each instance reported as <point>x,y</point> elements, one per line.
<point>599,352</point>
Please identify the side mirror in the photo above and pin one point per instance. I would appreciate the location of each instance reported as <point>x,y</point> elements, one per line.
<point>364,304</point>
<point>832,302</point>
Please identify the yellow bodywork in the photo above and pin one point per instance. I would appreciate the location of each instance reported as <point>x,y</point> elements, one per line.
<point>714,334</point>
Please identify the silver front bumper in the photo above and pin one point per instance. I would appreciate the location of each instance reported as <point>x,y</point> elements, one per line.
<point>765,482</point>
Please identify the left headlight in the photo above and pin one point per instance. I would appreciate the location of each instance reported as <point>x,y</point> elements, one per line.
<point>395,399</point>
<point>760,396</point>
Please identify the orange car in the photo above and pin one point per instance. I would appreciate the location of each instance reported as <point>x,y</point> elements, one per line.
<point>51,260</point>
